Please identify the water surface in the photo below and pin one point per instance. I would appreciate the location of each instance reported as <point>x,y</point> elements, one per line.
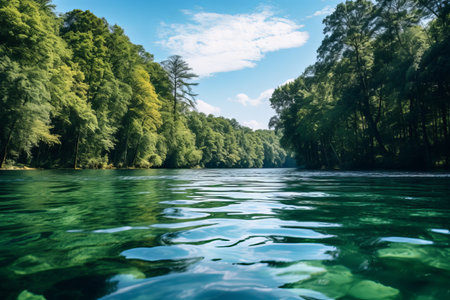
<point>224,234</point>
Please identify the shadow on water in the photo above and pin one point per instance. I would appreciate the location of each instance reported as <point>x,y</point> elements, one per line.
<point>205,234</point>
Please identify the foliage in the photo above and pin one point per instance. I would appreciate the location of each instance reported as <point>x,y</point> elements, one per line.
<point>30,51</point>
<point>378,95</point>
<point>226,144</point>
<point>75,92</point>
<point>179,75</point>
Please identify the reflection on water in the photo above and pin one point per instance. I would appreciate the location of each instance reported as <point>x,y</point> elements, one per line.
<point>221,234</point>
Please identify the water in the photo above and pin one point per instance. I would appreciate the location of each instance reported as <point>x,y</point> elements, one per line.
<point>224,234</point>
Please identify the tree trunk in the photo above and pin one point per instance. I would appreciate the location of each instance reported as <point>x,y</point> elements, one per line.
<point>76,150</point>
<point>425,136</point>
<point>373,130</point>
<point>133,162</point>
<point>443,108</point>
<point>125,154</point>
<point>335,153</point>
<point>174,111</point>
<point>5,151</point>
<point>8,140</point>
<point>175,101</point>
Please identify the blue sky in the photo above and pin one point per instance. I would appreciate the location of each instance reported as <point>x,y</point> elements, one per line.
<point>242,49</point>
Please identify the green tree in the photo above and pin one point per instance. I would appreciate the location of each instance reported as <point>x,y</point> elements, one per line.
<point>180,75</point>
<point>30,51</point>
<point>141,120</point>
<point>98,51</point>
<point>349,34</point>
<point>25,109</point>
<point>378,94</point>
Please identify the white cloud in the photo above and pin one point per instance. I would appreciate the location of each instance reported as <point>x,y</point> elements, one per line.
<point>245,100</point>
<point>215,43</point>
<point>327,10</point>
<point>288,81</point>
<point>253,124</point>
<point>206,108</point>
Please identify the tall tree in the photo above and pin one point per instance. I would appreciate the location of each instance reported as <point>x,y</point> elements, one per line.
<point>180,76</point>
<point>99,51</point>
<point>349,33</point>
<point>141,120</point>
<point>30,50</point>
<point>378,95</point>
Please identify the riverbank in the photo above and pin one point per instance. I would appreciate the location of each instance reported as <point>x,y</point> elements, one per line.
<point>110,167</point>
<point>17,168</point>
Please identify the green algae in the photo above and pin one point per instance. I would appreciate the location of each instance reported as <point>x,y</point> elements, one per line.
<point>438,258</point>
<point>370,290</point>
<point>26,295</point>
<point>337,282</point>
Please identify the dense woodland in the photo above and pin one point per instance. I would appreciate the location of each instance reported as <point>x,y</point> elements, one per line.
<point>76,93</point>
<point>378,95</point>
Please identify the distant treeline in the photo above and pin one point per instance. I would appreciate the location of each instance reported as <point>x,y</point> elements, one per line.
<point>75,92</point>
<point>378,95</point>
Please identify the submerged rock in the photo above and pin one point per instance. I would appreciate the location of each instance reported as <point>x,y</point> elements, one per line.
<point>368,290</point>
<point>29,264</point>
<point>26,295</point>
<point>297,272</point>
<point>438,258</point>
<point>339,282</point>
<point>375,221</point>
<point>334,283</point>
<point>401,252</point>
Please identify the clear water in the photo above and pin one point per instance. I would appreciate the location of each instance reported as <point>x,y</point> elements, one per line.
<point>224,234</point>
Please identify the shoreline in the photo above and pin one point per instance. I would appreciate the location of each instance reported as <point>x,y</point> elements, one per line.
<point>434,170</point>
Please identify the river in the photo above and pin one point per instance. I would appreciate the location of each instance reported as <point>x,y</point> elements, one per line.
<point>224,234</point>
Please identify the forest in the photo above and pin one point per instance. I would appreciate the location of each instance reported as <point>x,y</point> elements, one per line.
<point>75,92</point>
<point>378,95</point>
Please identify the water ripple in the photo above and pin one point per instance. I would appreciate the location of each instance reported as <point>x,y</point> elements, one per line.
<point>240,253</point>
<point>397,239</point>
<point>206,234</point>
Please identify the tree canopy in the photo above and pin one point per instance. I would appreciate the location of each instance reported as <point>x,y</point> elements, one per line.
<point>378,95</point>
<point>180,75</point>
<point>76,93</point>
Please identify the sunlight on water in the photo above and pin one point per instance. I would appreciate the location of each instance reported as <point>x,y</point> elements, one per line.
<point>224,234</point>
